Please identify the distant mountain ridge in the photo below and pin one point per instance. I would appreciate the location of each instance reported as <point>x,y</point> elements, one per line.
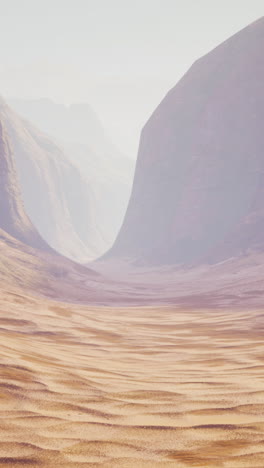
<point>198,188</point>
<point>76,122</point>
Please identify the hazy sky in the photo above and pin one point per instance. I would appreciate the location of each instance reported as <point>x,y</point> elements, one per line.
<point>121,56</point>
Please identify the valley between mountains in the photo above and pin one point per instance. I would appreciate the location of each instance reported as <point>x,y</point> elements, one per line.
<point>136,339</point>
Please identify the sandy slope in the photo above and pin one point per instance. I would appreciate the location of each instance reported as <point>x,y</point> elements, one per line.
<point>149,387</point>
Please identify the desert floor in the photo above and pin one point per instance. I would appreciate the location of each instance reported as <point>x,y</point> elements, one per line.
<point>129,387</point>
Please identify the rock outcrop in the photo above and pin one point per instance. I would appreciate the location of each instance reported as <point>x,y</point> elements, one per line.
<point>199,183</point>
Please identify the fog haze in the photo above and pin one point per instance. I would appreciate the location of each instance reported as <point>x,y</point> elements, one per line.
<point>119,56</point>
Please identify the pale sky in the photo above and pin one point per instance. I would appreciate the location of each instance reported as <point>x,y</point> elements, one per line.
<point>121,56</point>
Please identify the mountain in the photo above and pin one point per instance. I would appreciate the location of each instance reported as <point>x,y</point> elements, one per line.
<point>57,199</point>
<point>74,123</point>
<point>28,266</point>
<point>78,130</point>
<point>199,183</point>
<point>13,219</point>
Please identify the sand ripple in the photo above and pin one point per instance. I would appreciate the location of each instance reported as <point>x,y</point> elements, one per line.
<point>130,387</point>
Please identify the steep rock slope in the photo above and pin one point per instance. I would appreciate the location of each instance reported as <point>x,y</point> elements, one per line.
<point>57,198</point>
<point>13,218</point>
<point>29,265</point>
<point>198,188</point>
<point>79,131</point>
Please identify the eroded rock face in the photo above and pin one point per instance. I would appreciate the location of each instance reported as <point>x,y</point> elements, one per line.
<point>199,185</point>
<point>107,172</point>
<point>56,197</point>
<point>13,218</point>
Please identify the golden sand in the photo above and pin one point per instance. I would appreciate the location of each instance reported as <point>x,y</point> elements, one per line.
<point>130,387</point>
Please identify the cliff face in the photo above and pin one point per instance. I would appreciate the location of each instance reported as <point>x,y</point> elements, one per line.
<point>56,197</point>
<point>199,183</point>
<point>13,218</point>
<point>79,132</point>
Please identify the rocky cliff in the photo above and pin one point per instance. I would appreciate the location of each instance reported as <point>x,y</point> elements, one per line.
<point>198,188</point>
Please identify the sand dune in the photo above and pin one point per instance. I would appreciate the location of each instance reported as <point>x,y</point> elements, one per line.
<point>126,387</point>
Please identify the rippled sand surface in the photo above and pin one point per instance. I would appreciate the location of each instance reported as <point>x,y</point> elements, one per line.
<point>129,387</point>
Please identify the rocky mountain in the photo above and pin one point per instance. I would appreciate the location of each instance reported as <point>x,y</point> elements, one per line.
<point>199,183</point>
<point>28,266</point>
<point>57,198</point>
<point>13,218</point>
<point>78,130</point>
